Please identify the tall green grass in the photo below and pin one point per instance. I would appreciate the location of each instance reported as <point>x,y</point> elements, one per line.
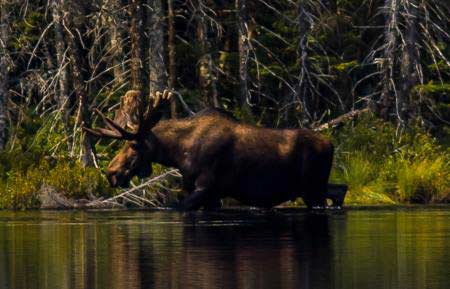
<point>381,165</point>
<point>22,179</point>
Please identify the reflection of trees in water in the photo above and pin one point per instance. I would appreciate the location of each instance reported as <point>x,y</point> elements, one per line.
<point>188,254</point>
<point>354,250</point>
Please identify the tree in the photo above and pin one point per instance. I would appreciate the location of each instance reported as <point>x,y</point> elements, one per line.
<point>137,38</point>
<point>409,57</point>
<point>171,48</point>
<point>115,21</point>
<point>243,46</point>
<point>304,90</point>
<point>80,71</point>
<point>4,67</point>
<point>62,70</point>
<point>206,70</point>
<point>157,64</point>
<point>401,64</point>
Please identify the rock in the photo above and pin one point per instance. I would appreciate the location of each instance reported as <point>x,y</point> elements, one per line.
<point>50,198</point>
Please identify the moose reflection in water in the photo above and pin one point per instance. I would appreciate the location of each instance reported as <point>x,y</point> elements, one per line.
<point>252,252</point>
<point>220,157</point>
<point>293,249</point>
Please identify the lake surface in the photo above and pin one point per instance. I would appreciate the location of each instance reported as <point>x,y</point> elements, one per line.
<point>383,248</point>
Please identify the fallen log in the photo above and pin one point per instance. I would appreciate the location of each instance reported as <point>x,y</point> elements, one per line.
<point>134,195</point>
<point>341,119</point>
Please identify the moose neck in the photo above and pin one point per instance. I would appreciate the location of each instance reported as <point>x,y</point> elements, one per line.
<point>171,137</point>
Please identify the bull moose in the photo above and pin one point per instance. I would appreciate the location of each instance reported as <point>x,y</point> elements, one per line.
<point>220,157</point>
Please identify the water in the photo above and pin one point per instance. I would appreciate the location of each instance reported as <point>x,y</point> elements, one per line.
<point>399,248</point>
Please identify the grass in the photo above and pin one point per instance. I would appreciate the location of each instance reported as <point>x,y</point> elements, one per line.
<point>424,181</point>
<point>382,166</point>
<point>22,178</point>
<point>379,165</point>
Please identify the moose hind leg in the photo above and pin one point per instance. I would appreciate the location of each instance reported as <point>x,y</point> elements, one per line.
<point>315,197</point>
<point>316,180</point>
<point>336,192</point>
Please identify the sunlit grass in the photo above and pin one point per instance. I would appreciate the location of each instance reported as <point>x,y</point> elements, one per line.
<point>381,166</point>
<point>423,181</point>
<point>20,185</point>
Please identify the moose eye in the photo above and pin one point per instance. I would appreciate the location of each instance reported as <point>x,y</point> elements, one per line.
<point>135,146</point>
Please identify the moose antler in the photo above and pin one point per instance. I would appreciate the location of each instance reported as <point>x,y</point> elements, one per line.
<point>153,114</point>
<point>148,120</point>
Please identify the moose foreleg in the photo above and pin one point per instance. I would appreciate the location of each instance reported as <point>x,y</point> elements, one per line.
<point>202,194</point>
<point>195,200</point>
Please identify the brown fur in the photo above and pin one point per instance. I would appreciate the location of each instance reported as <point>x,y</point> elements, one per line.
<point>220,157</point>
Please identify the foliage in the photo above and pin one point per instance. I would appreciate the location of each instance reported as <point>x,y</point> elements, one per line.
<point>380,165</point>
<point>301,69</point>
<point>23,176</point>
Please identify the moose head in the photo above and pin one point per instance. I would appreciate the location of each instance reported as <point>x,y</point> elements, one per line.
<point>140,148</point>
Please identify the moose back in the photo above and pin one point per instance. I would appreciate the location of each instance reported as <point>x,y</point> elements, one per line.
<point>220,157</point>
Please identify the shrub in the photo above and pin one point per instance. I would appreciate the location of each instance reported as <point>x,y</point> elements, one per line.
<point>20,185</point>
<point>380,165</point>
<point>423,181</point>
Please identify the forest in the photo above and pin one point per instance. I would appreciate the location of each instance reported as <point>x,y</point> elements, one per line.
<point>372,75</point>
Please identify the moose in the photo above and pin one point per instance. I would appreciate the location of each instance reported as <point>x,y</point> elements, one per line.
<point>220,157</point>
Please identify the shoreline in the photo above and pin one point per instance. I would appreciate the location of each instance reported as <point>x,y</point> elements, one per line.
<point>235,209</point>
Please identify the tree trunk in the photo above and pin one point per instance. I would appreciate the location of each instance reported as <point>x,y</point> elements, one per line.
<point>136,35</point>
<point>78,59</point>
<point>243,45</point>
<point>304,93</point>
<point>157,64</point>
<point>206,72</point>
<point>387,99</point>
<point>409,59</point>
<point>60,45</point>
<point>4,65</point>
<point>115,18</point>
<point>171,48</point>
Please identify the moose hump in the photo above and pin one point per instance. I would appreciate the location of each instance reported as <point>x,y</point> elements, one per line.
<point>219,157</point>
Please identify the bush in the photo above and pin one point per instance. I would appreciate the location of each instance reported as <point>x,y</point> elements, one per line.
<point>423,181</point>
<point>382,166</point>
<point>23,177</point>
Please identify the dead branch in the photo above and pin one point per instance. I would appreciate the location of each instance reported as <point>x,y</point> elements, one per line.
<point>133,195</point>
<point>343,118</point>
